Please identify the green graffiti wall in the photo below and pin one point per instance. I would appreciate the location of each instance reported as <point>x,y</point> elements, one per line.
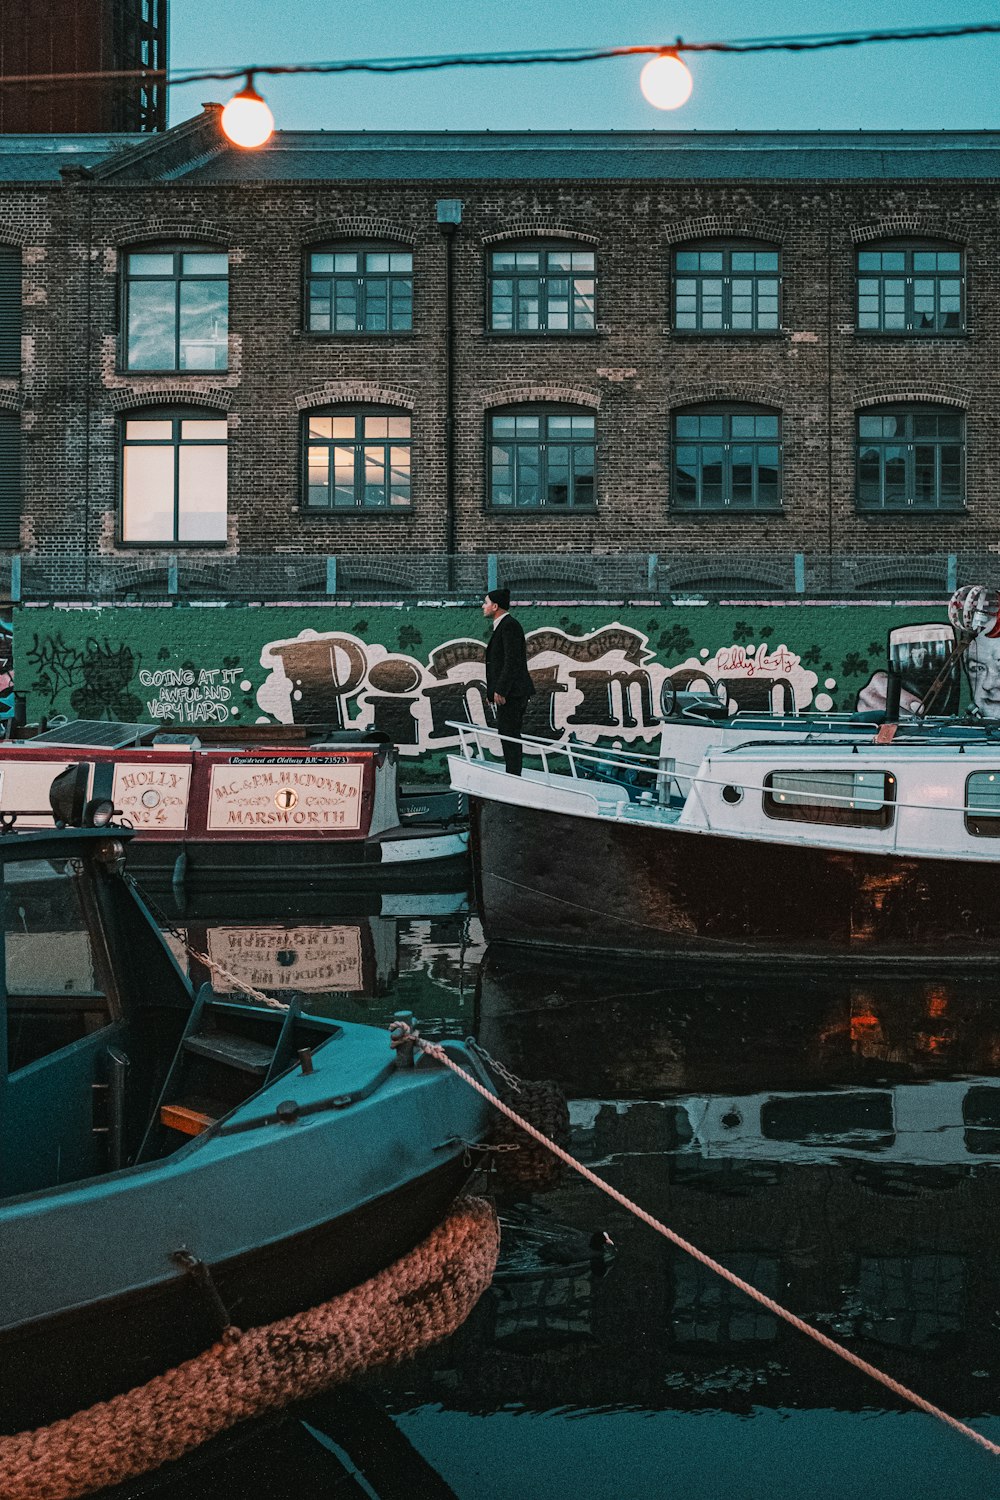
<point>600,670</point>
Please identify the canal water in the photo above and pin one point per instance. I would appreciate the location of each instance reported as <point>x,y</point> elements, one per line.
<point>835,1142</point>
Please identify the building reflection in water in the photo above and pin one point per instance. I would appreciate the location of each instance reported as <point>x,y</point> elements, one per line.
<point>834,1142</point>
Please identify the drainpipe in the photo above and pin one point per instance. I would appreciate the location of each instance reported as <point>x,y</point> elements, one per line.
<point>449,217</point>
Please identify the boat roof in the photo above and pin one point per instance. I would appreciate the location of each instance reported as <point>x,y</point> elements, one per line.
<point>828,751</point>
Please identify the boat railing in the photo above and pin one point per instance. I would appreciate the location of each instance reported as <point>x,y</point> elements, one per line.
<point>479,742</point>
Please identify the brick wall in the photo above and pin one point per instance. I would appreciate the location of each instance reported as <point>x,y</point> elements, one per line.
<point>633,372</point>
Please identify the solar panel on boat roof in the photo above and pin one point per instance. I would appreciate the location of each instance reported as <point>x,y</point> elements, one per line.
<point>93,734</point>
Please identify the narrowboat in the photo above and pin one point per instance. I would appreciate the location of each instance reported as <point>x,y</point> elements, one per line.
<point>148,1132</point>
<point>274,806</point>
<point>836,850</point>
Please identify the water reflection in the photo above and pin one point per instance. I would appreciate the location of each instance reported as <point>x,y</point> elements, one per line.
<point>835,1143</point>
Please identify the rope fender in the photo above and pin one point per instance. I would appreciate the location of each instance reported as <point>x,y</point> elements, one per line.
<point>411,1304</point>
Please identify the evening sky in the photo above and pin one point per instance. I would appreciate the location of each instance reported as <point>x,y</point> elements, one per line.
<point>911,86</point>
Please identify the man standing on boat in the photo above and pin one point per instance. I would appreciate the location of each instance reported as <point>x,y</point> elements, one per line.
<point>508,681</point>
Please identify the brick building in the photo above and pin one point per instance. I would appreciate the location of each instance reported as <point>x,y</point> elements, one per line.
<point>618,361</point>
<point>78,37</point>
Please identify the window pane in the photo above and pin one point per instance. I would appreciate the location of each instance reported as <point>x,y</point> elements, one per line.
<point>399,461</point>
<point>205,263</point>
<point>397,427</point>
<point>143,263</point>
<point>321,262</point>
<point>345,261</point>
<point>399,261</point>
<point>557,478</point>
<point>150,431</point>
<point>375,490</point>
<point>198,431</point>
<point>319,306</point>
<point>204,325</point>
<point>343,477</point>
<point>504,426</point>
<point>345,302</point>
<point>501,474</point>
<point>527,477</point>
<point>151,325</point>
<point>320,427</point>
<point>202,498</point>
<point>376,427</point>
<point>148,494</point>
<point>319,476</point>
<point>344,427</point>
<point>377,262</point>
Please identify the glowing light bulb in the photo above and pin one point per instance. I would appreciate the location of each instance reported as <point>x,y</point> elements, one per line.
<point>246,119</point>
<point>666,82</point>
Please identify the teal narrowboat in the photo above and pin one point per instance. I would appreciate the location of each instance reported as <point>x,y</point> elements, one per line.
<point>170,1161</point>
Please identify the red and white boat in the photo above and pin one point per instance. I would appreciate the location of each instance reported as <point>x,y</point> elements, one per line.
<point>276,808</point>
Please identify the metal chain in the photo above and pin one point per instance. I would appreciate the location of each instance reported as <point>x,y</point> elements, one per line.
<point>496,1067</point>
<point>210,963</point>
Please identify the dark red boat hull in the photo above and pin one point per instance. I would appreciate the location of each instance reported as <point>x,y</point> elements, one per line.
<point>557,881</point>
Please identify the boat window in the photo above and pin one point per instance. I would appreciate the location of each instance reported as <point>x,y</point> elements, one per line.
<point>846,799</point>
<point>982,804</point>
<point>913,1301</point>
<point>861,1121</point>
<point>54,994</point>
<point>981,1118</point>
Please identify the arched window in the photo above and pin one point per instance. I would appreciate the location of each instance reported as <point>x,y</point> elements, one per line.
<point>356,458</point>
<point>727,286</point>
<point>176,309</point>
<point>911,457</point>
<point>174,476</point>
<point>359,288</point>
<point>910,287</point>
<point>542,288</point>
<point>542,458</point>
<point>727,457</point>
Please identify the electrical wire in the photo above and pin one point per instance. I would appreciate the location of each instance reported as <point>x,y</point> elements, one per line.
<point>815,42</point>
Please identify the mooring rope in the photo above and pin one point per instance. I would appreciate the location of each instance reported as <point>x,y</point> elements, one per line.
<point>402,1031</point>
<point>418,1300</point>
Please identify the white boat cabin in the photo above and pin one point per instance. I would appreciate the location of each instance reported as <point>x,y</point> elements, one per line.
<point>935,798</point>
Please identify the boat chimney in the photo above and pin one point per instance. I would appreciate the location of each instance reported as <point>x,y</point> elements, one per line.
<point>893,689</point>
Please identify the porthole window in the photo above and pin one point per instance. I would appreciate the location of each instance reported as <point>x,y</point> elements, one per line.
<point>733,795</point>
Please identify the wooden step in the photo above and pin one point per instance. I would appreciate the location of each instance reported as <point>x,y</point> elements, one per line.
<point>185,1118</point>
<point>233,1051</point>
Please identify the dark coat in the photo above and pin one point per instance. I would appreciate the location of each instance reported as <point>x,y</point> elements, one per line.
<point>507,662</point>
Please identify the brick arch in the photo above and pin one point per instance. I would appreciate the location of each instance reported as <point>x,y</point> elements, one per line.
<point>897,226</point>
<point>192,231</point>
<point>11,400</point>
<point>11,234</point>
<point>726,226</point>
<point>517,395</point>
<point>940,395</point>
<point>357,227</point>
<point>540,229</point>
<point>752,395</point>
<point>338,392</point>
<point>134,400</point>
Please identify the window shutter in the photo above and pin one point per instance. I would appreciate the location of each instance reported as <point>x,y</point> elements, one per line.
<point>10,310</point>
<point>10,479</point>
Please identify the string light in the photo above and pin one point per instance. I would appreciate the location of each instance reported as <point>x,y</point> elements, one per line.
<point>246,119</point>
<point>666,82</point>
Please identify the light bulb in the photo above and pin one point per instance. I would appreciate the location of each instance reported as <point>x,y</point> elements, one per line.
<point>666,82</point>
<point>246,119</point>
